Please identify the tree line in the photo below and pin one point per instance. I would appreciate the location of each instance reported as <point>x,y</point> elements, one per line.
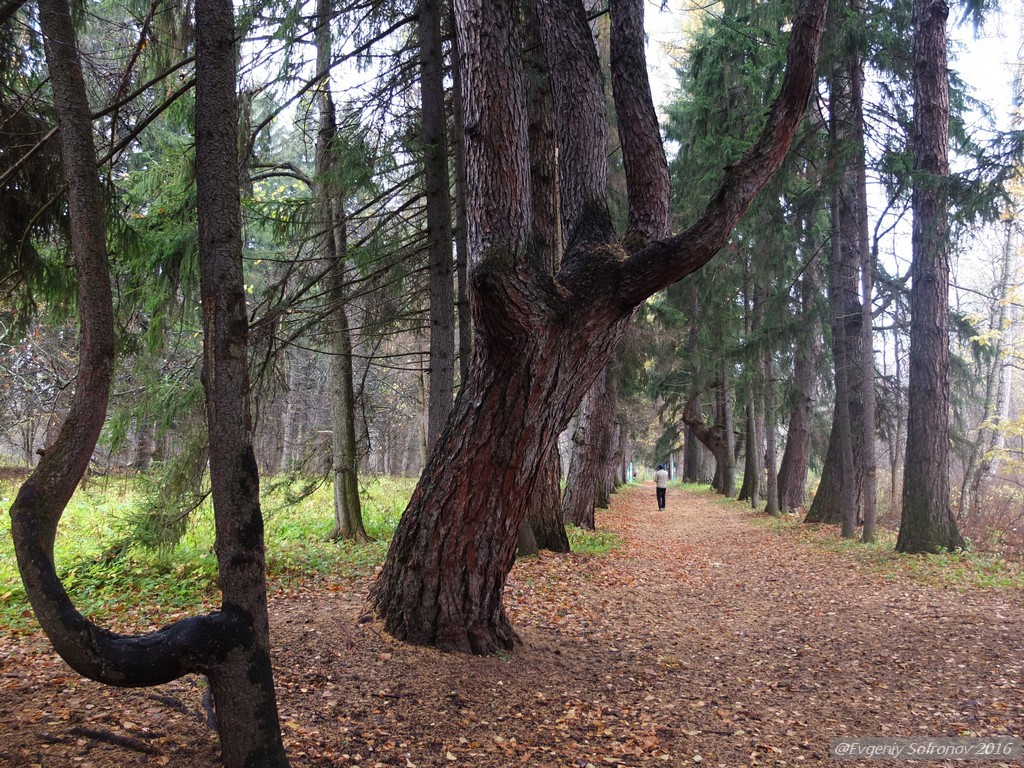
<point>329,239</point>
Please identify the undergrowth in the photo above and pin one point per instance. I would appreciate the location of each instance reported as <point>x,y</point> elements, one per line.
<point>964,570</point>
<point>128,587</point>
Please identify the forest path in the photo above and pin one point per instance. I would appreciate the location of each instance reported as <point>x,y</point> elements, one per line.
<point>705,639</point>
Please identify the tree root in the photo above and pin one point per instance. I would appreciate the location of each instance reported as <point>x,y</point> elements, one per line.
<point>112,738</point>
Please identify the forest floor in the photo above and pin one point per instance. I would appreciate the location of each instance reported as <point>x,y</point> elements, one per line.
<point>706,639</point>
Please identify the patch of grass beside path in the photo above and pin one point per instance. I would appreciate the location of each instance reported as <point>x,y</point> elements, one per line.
<point>133,589</point>
<point>959,570</point>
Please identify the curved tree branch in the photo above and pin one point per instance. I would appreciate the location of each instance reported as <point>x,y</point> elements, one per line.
<point>664,262</point>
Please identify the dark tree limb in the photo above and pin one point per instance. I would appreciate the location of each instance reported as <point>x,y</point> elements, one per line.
<point>664,262</point>
<point>116,739</point>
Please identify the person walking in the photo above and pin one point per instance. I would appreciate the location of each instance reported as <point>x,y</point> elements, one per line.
<point>661,483</point>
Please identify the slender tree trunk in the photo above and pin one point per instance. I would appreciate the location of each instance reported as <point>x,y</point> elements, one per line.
<point>348,520</point>
<point>461,233</point>
<point>692,452</point>
<point>772,489</point>
<point>857,170</point>
<point>144,445</point>
<point>727,460</point>
<point>241,682</point>
<point>927,523</point>
<point>606,457</point>
<point>847,501</point>
<point>231,646</point>
<point>987,444</point>
<point>439,230</point>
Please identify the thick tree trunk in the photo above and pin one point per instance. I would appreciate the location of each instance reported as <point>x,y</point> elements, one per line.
<point>725,459</point>
<point>927,523</point>
<point>541,342</point>
<point>715,440</point>
<point>439,230</point>
<point>692,459</point>
<point>544,516</point>
<point>842,476</point>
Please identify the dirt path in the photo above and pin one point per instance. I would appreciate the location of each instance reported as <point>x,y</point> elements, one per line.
<point>705,640</point>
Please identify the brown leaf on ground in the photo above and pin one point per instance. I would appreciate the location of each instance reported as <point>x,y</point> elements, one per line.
<point>705,640</point>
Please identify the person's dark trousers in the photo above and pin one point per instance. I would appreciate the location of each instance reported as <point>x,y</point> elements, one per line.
<point>661,498</point>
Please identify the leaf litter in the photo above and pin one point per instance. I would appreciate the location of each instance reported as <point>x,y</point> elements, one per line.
<point>704,640</point>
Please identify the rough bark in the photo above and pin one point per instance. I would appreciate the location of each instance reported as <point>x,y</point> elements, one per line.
<point>715,439</point>
<point>837,487</point>
<point>544,517</point>
<point>750,488</point>
<point>842,424</point>
<point>241,681</point>
<point>540,343</point>
<point>439,230</point>
<point>643,155</point>
<point>725,464</point>
<point>856,170</point>
<point>796,456</point>
<point>543,525</point>
<point>772,481</point>
<point>580,496</point>
<point>927,523</point>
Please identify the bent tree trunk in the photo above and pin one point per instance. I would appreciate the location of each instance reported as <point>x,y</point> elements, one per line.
<point>713,438</point>
<point>541,342</point>
<point>231,646</point>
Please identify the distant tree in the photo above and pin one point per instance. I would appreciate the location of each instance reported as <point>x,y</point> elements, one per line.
<point>348,519</point>
<point>540,342</point>
<point>439,214</point>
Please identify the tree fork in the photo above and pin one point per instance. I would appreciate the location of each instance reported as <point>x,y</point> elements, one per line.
<point>540,342</point>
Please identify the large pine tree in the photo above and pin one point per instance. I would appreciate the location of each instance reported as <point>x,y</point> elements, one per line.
<point>540,342</point>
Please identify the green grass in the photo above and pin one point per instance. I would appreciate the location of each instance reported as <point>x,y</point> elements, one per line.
<point>141,588</point>
<point>131,588</point>
<point>960,570</point>
<point>599,542</point>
